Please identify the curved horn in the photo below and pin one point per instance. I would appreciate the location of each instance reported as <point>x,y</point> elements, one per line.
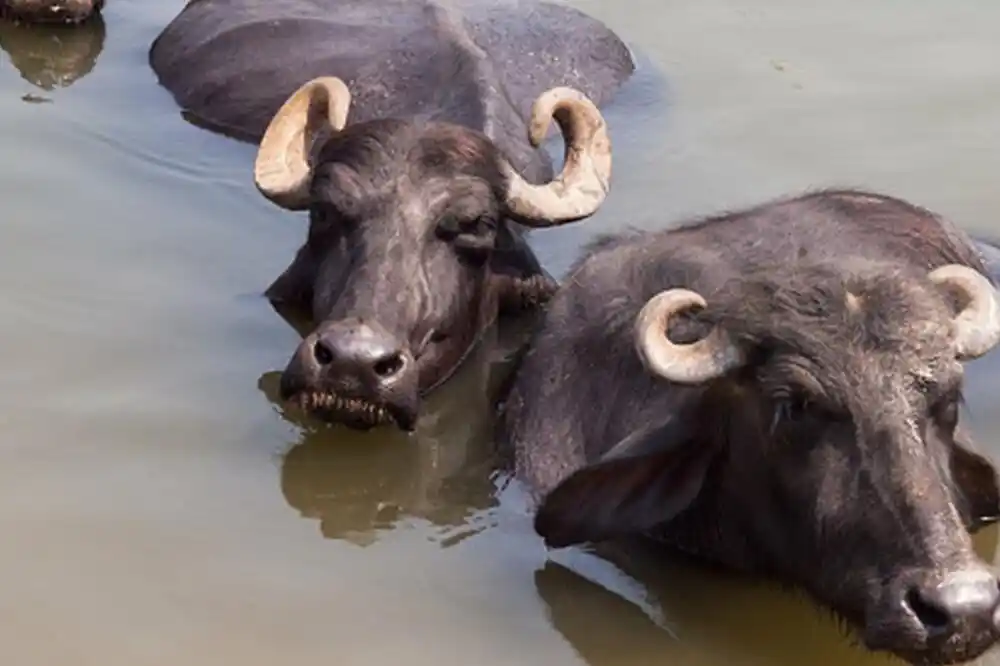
<point>706,359</point>
<point>583,185</point>
<point>312,114</point>
<point>977,327</point>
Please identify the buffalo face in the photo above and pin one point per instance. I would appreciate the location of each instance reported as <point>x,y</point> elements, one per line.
<point>410,250</point>
<point>817,442</point>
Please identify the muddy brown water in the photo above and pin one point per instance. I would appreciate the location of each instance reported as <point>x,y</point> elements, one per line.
<point>157,506</point>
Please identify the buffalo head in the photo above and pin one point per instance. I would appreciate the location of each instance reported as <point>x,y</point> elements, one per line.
<point>816,441</point>
<point>411,250</point>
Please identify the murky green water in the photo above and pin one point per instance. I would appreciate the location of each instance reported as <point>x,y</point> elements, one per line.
<point>158,508</point>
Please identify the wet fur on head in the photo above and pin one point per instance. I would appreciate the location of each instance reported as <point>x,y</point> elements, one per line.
<point>407,229</point>
<point>829,460</point>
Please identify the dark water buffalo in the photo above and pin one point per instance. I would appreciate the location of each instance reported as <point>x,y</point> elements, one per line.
<point>409,130</point>
<point>777,391</point>
<point>50,11</point>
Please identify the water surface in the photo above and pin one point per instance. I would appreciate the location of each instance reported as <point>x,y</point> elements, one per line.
<point>158,506</point>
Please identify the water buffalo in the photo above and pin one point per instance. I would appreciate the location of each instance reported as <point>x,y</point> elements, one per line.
<point>410,131</point>
<point>50,11</point>
<point>777,391</point>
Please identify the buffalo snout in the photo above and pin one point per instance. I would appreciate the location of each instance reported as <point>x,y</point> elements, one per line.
<point>947,616</point>
<point>360,355</point>
<point>355,372</point>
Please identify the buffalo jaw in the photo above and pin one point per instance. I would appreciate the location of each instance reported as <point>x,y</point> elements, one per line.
<point>356,373</point>
<point>356,412</point>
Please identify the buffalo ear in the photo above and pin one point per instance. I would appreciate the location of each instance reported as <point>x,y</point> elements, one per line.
<point>976,479</point>
<point>644,481</point>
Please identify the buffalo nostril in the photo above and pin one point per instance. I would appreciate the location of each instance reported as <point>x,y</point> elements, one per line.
<point>963,598</point>
<point>389,366</point>
<point>933,618</point>
<point>322,353</point>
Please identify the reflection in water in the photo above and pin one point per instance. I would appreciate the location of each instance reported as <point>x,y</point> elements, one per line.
<point>51,56</point>
<point>359,484</point>
<point>712,617</point>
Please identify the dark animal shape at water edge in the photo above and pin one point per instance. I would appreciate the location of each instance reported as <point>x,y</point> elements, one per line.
<point>410,131</point>
<point>59,12</point>
<point>51,57</point>
<point>777,391</point>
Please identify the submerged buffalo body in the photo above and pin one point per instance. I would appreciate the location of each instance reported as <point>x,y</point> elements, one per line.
<point>777,391</point>
<point>50,11</point>
<point>410,131</point>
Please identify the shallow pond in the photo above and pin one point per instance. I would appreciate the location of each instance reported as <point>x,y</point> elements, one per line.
<point>158,507</point>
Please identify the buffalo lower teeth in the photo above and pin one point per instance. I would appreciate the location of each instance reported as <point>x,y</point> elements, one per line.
<point>372,413</point>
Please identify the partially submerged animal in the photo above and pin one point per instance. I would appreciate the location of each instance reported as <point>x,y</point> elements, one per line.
<point>777,390</point>
<point>409,131</point>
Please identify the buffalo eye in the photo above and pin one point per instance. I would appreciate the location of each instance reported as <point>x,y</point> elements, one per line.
<point>472,237</point>
<point>795,407</point>
<point>451,227</point>
<point>325,220</point>
<point>791,407</point>
<point>943,402</point>
<point>319,215</point>
<point>945,412</point>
